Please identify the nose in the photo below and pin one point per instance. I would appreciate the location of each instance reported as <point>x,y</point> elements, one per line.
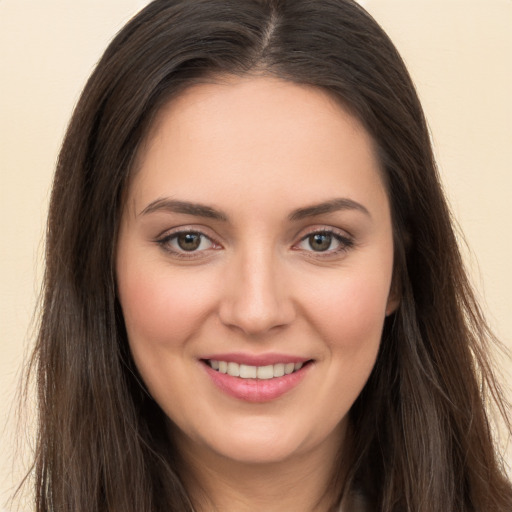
<point>257,298</point>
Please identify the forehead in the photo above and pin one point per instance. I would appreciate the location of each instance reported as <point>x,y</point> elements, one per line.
<point>237,135</point>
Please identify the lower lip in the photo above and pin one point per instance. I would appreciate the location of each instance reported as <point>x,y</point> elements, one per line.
<point>256,390</point>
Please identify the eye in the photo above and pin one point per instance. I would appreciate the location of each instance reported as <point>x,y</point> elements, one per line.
<point>325,241</point>
<point>189,241</point>
<point>183,242</point>
<point>320,241</point>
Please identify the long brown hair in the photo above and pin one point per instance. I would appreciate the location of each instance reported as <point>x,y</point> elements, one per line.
<point>422,439</point>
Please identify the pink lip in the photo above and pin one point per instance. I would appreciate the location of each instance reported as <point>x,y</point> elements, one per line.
<point>256,390</point>
<point>256,359</point>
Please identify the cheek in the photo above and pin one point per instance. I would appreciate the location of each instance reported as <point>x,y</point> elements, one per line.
<point>161,310</point>
<point>353,307</point>
<point>349,314</point>
<point>161,306</point>
<point>355,335</point>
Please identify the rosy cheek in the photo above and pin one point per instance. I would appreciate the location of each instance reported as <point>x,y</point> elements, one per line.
<point>160,307</point>
<point>353,313</point>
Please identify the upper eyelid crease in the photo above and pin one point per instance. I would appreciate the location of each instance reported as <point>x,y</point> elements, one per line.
<point>336,233</point>
<point>329,231</point>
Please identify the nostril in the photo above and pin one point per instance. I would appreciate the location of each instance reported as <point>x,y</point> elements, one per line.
<point>255,298</point>
<point>254,315</point>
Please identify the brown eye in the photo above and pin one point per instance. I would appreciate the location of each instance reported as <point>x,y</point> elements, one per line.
<point>189,241</point>
<point>320,242</point>
<point>329,242</point>
<point>187,244</point>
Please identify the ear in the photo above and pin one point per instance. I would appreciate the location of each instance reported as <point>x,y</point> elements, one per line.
<point>394,296</point>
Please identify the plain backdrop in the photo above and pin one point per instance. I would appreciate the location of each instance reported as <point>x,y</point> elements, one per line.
<point>459,53</point>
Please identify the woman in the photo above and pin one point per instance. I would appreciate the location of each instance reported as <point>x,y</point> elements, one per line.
<point>254,298</point>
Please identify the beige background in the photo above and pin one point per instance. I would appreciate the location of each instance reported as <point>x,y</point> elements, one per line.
<point>458,51</point>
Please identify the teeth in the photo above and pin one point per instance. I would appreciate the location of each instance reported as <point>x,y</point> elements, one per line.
<point>233,369</point>
<point>245,371</point>
<point>278,370</point>
<point>248,372</point>
<point>265,372</point>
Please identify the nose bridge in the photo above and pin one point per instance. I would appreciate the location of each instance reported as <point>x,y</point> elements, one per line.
<point>257,297</point>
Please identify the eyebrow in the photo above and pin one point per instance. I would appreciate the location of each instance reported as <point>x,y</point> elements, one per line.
<point>331,206</point>
<point>188,208</point>
<point>201,210</point>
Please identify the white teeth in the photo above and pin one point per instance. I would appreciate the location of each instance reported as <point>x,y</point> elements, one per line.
<point>248,372</point>
<point>265,372</point>
<point>245,371</point>
<point>233,369</point>
<point>288,368</point>
<point>279,370</point>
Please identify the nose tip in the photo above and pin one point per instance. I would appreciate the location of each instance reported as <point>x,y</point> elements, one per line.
<point>255,315</point>
<point>256,300</point>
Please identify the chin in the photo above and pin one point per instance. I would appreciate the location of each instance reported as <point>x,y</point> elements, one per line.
<point>263,442</point>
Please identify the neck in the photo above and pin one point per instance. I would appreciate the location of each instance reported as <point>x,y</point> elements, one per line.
<point>304,482</point>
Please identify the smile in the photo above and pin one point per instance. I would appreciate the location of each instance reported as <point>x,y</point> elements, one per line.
<point>245,371</point>
<point>261,382</point>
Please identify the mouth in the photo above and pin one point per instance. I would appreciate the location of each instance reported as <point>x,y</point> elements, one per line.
<point>245,371</point>
<point>262,382</point>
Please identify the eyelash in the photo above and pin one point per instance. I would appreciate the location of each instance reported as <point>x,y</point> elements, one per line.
<point>345,243</point>
<point>165,241</point>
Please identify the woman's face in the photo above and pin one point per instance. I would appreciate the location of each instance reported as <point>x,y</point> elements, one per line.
<point>256,237</point>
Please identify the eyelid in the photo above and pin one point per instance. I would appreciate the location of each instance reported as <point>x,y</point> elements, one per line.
<point>164,239</point>
<point>345,240</point>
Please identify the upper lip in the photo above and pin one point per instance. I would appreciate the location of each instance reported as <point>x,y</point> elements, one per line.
<point>256,359</point>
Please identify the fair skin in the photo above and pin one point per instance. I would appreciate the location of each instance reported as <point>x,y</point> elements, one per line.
<point>222,259</point>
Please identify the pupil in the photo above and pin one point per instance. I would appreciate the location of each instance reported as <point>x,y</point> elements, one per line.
<point>189,241</point>
<point>320,241</point>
